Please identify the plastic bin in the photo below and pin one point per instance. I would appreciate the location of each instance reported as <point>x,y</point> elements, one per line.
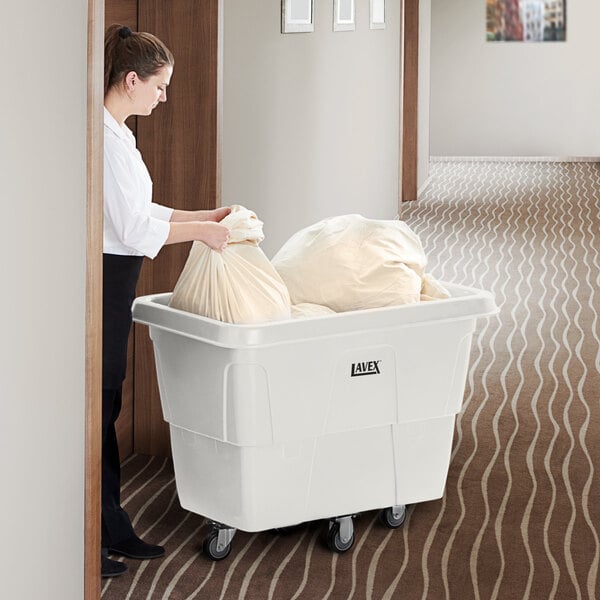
<point>291,421</point>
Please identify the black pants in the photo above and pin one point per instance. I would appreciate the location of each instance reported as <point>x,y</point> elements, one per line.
<point>119,280</point>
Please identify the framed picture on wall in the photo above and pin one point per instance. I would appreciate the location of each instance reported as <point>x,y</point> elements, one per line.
<point>297,16</point>
<point>526,20</point>
<point>377,14</point>
<point>343,15</point>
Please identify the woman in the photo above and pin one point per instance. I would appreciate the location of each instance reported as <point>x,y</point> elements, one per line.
<point>137,72</point>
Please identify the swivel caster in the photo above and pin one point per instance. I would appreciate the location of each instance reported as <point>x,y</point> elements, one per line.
<point>340,535</point>
<point>217,544</point>
<point>393,516</point>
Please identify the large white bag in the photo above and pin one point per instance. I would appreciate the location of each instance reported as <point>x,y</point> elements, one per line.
<point>351,263</point>
<point>238,285</point>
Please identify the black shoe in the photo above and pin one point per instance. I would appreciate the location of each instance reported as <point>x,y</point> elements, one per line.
<point>133,547</point>
<point>112,568</point>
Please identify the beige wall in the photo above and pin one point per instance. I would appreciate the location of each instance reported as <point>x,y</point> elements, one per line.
<point>513,98</point>
<point>310,120</point>
<point>42,261</point>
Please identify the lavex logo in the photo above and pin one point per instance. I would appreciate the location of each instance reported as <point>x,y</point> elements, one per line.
<point>370,367</point>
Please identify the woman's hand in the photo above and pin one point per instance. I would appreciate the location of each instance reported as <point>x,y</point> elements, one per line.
<point>214,235</point>
<point>218,214</point>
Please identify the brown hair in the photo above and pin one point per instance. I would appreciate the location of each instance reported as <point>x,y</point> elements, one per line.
<point>126,51</point>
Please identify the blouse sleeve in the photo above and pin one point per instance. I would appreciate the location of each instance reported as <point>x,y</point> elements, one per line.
<point>133,220</point>
<point>158,211</point>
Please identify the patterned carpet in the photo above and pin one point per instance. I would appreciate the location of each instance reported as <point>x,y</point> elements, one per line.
<point>520,517</point>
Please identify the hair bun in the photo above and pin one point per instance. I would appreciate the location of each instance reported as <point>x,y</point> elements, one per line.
<point>124,32</point>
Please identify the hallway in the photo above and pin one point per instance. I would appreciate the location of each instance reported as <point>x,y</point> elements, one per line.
<point>520,515</point>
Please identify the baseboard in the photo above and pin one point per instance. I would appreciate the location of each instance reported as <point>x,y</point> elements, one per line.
<point>573,159</point>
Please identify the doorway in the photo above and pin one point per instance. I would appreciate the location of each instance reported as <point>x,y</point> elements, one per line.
<point>170,146</point>
<point>192,29</point>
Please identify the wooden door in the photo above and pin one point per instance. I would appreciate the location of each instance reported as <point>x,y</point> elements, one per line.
<point>409,61</point>
<point>180,144</point>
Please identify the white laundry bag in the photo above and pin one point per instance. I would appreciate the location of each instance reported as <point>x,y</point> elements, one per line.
<point>351,263</point>
<point>238,285</point>
<point>305,310</point>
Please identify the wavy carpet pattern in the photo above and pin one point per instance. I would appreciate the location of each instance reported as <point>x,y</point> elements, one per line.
<point>520,517</point>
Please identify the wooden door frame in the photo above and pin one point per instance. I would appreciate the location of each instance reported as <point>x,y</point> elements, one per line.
<point>409,85</point>
<point>93,329</point>
<point>94,226</point>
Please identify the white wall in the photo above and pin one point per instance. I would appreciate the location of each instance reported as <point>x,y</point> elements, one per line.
<point>310,120</point>
<point>513,98</point>
<point>42,258</point>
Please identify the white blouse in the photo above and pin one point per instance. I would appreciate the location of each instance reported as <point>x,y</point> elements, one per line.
<point>133,224</point>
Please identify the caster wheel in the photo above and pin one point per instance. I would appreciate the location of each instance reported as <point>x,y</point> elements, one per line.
<point>393,516</point>
<point>335,542</point>
<point>211,549</point>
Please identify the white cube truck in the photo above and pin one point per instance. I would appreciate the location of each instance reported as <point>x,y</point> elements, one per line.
<point>285,422</point>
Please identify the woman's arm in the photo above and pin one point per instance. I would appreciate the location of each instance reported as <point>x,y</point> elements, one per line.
<point>214,235</point>
<point>199,225</point>
<point>185,216</point>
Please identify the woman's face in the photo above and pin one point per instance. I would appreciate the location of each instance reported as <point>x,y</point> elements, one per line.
<point>149,93</point>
